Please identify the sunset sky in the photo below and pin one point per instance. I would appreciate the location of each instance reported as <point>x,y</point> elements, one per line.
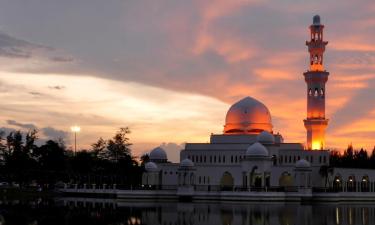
<point>170,69</point>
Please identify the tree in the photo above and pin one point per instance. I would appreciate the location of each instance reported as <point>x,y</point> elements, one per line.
<point>118,146</point>
<point>145,158</point>
<point>51,156</point>
<point>2,147</point>
<point>348,156</point>
<point>99,148</point>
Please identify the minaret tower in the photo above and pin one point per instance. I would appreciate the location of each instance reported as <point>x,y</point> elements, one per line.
<point>316,78</point>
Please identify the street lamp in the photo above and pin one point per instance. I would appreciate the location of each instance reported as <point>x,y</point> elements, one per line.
<point>75,130</point>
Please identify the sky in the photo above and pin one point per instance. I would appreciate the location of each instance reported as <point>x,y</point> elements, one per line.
<point>170,69</point>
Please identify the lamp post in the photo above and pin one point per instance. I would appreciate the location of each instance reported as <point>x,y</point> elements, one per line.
<point>75,130</point>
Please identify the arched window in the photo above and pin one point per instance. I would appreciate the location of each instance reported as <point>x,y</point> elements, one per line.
<point>351,183</point>
<point>235,159</point>
<point>210,158</point>
<point>310,92</point>
<point>219,159</point>
<point>365,184</point>
<point>322,92</point>
<point>231,158</point>
<point>223,158</point>
<point>316,93</point>
<point>215,159</point>
<point>204,158</point>
<point>337,183</point>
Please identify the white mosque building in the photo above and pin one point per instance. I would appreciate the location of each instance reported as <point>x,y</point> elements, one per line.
<point>250,156</point>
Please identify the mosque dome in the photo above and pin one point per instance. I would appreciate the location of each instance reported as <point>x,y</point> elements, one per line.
<point>248,116</point>
<point>266,137</point>
<point>186,163</point>
<point>151,167</point>
<point>257,149</point>
<point>158,154</point>
<point>302,163</point>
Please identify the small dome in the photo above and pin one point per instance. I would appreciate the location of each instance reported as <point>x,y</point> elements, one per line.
<point>247,116</point>
<point>158,154</point>
<point>266,137</point>
<point>302,163</point>
<point>186,163</point>
<point>257,149</point>
<point>150,167</point>
<point>316,20</point>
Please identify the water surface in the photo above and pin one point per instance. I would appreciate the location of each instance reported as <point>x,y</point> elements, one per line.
<point>105,211</point>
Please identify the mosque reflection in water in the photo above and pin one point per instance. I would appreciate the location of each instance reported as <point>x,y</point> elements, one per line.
<point>105,211</point>
<point>258,214</point>
<point>249,213</point>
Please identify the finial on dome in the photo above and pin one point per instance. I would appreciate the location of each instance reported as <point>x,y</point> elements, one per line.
<point>316,20</point>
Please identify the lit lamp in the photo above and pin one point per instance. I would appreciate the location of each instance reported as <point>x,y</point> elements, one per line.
<point>75,130</point>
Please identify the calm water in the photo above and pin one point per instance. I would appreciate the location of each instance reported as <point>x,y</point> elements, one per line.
<point>96,211</point>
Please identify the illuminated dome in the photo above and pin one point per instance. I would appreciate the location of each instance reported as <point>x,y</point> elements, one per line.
<point>186,163</point>
<point>151,167</point>
<point>302,164</point>
<point>158,154</point>
<point>266,137</point>
<point>257,149</point>
<point>248,116</point>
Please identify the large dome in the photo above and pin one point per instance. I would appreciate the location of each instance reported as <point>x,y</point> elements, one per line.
<point>248,116</point>
<point>158,154</point>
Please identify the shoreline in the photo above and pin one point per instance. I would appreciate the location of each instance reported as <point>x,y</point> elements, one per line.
<point>204,196</point>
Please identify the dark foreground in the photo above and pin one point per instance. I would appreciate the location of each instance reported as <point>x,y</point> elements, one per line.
<point>106,211</point>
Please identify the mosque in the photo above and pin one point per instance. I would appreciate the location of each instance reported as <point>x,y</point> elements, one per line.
<point>250,156</point>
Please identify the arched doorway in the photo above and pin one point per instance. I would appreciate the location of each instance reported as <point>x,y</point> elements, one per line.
<point>286,180</point>
<point>337,183</point>
<point>351,184</point>
<point>258,181</point>
<point>365,184</point>
<point>227,182</point>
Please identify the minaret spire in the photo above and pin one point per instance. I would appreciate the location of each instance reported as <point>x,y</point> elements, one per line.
<point>316,78</point>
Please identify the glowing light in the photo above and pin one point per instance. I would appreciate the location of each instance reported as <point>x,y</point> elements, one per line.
<point>316,145</point>
<point>316,67</point>
<point>338,180</point>
<point>75,129</point>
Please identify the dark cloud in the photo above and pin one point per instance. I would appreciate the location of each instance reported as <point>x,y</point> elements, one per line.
<point>12,47</point>
<point>56,87</point>
<point>52,133</point>
<point>35,93</point>
<point>21,125</point>
<point>61,59</point>
<point>48,132</point>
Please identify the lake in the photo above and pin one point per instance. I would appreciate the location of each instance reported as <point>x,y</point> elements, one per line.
<point>106,211</point>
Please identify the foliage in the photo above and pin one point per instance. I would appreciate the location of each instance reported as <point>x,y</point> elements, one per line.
<point>109,161</point>
<point>353,158</point>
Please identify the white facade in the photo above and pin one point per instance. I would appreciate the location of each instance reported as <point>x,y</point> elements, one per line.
<point>240,160</point>
<point>250,156</point>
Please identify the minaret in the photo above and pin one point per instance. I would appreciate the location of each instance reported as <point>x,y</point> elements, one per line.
<point>316,78</point>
